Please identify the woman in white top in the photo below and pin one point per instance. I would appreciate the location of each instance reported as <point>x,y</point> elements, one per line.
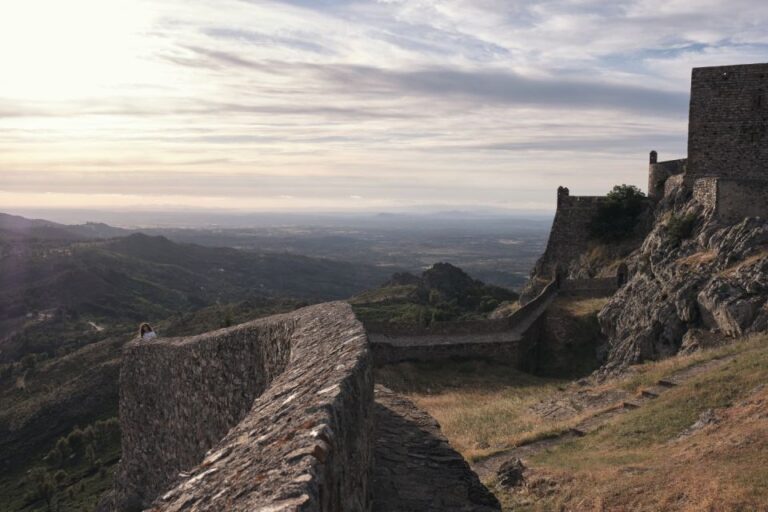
<point>146,332</point>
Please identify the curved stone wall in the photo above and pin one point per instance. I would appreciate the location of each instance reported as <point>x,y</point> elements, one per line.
<point>275,414</point>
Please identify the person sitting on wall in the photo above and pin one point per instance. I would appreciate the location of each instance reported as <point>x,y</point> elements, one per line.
<point>146,332</point>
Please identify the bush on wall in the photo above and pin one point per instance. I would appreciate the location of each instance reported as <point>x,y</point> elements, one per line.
<point>617,217</point>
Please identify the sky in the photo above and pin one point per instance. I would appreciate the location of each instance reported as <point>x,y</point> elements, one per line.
<point>344,105</point>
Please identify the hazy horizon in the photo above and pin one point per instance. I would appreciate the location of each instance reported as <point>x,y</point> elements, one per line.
<point>348,106</point>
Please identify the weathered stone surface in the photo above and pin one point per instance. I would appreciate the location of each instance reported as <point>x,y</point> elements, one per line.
<point>508,339</point>
<point>415,469</point>
<point>716,280</point>
<point>510,473</point>
<point>274,414</point>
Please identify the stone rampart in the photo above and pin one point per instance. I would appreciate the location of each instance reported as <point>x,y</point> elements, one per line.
<point>660,172</point>
<point>508,339</point>
<point>274,414</point>
<point>569,236</point>
<point>732,200</point>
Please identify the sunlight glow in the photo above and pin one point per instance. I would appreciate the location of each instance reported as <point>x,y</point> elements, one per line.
<point>57,50</point>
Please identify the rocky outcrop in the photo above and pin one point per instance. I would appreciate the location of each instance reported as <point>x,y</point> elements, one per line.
<point>694,273</point>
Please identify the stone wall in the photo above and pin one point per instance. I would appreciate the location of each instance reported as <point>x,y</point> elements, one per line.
<point>509,339</point>
<point>737,199</point>
<point>728,126</point>
<point>705,192</point>
<point>569,235</point>
<point>732,200</point>
<point>660,172</point>
<point>274,414</point>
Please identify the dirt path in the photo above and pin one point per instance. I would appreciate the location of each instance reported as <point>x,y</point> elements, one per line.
<point>614,403</point>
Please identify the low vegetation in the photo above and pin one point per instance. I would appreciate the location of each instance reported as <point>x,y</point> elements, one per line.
<point>680,227</point>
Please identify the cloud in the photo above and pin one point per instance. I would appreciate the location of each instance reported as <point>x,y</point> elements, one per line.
<point>461,101</point>
<point>509,88</point>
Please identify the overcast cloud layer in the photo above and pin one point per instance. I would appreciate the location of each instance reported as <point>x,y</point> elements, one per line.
<point>338,105</point>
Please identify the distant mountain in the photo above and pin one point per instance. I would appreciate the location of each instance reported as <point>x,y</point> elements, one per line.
<point>139,277</point>
<point>45,229</point>
<point>443,292</point>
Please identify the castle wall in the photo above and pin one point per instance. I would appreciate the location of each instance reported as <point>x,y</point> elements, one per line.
<point>569,236</point>
<point>660,172</point>
<point>737,199</point>
<point>705,192</point>
<point>728,126</point>
<point>732,200</point>
<point>509,339</point>
<point>271,414</point>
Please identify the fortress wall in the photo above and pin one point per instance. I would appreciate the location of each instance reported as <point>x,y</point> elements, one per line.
<point>728,126</point>
<point>510,351</point>
<point>660,172</point>
<point>569,235</point>
<point>737,199</point>
<point>273,414</point>
<point>457,328</point>
<point>732,200</point>
<point>509,339</point>
<point>705,192</point>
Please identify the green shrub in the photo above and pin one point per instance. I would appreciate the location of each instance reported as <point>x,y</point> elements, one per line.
<point>616,218</point>
<point>680,227</point>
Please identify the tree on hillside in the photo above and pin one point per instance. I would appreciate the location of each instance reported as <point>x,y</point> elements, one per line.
<point>617,216</point>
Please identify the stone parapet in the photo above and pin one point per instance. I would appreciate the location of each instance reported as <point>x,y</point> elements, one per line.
<point>275,414</point>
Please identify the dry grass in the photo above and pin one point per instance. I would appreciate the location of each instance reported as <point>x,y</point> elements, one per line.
<point>584,307</point>
<point>749,261</point>
<point>697,259</point>
<point>482,407</point>
<point>640,462</point>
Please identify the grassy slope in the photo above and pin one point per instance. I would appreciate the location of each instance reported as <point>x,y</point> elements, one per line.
<point>636,462</point>
<point>481,406</point>
<point>640,462</point>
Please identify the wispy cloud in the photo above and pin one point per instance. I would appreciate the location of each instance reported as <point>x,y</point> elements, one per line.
<point>395,102</point>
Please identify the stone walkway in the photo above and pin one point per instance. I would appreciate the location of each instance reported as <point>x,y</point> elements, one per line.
<point>415,469</point>
<point>626,401</point>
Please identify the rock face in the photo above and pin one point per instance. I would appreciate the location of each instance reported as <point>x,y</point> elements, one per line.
<point>511,473</point>
<point>275,414</point>
<point>713,279</point>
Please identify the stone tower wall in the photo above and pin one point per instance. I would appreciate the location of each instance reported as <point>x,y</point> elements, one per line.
<point>728,126</point>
